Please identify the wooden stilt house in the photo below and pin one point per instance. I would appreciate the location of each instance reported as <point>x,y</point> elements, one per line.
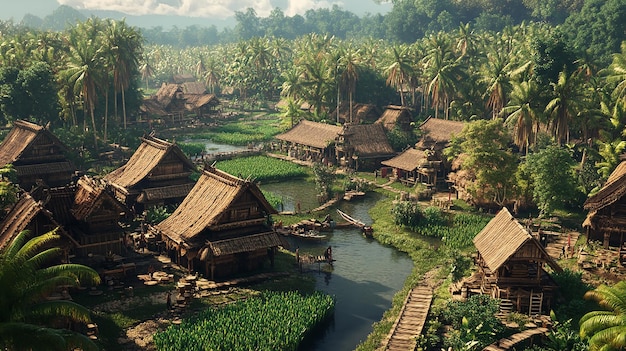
<point>37,156</point>
<point>396,117</point>
<point>221,228</point>
<point>436,136</point>
<point>362,146</point>
<point>511,266</point>
<point>606,220</point>
<point>158,173</point>
<point>311,141</point>
<point>413,166</point>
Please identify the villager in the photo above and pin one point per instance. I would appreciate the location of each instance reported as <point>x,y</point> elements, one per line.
<point>328,254</point>
<point>298,207</point>
<point>375,174</point>
<point>298,254</point>
<point>562,251</point>
<point>169,300</point>
<point>151,271</point>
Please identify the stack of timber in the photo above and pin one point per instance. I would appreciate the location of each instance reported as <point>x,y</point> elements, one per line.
<point>411,320</point>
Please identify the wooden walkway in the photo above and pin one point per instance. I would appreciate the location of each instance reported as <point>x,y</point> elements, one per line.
<point>411,320</point>
<point>559,242</point>
<point>507,343</point>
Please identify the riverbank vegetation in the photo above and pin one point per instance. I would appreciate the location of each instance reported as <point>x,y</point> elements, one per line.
<point>263,168</point>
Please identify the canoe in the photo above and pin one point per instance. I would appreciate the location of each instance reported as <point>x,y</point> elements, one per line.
<point>350,219</point>
<point>309,235</point>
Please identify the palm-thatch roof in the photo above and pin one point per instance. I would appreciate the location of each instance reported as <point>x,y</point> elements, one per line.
<point>92,200</point>
<point>367,140</point>
<point>167,93</point>
<point>22,215</point>
<point>193,88</point>
<point>183,77</point>
<point>395,116</point>
<point>361,113</point>
<point>502,237</point>
<point>196,101</point>
<point>208,207</point>
<point>21,137</point>
<point>149,155</point>
<point>246,243</point>
<point>409,160</point>
<point>613,190</point>
<point>314,134</point>
<point>152,107</point>
<point>437,133</point>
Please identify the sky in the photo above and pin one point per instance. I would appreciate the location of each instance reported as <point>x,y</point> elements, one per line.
<point>218,9</point>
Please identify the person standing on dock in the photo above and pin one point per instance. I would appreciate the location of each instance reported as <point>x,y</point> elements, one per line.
<point>328,255</point>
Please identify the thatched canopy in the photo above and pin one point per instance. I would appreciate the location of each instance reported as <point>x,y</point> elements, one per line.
<point>409,160</point>
<point>92,200</point>
<point>208,208</point>
<point>437,133</point>
<point>613,190</point>
<point>183,77</point>
<point>502,237</point>
<point>193,88</point>
<point>167,93</point>
<point>242,244</point>
<point>314,134</point>
<point>361,113</point>
<point>22,217</point>
<point>22,137</point>
<point>367,140</point>
<point>152,107</point>
<point>196,101</point>
<point>395,116</point>
<point>150,154</point>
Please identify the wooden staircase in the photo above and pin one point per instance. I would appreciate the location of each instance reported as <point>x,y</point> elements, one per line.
<point>536,303</point>
<point>410,322</point>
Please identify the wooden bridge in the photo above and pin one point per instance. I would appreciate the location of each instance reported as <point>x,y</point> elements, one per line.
<point>411,320</point>
<point>513,340</point>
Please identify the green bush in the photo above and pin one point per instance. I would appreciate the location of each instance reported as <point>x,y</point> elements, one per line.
<point>473,320</point>
<point>407,214</point>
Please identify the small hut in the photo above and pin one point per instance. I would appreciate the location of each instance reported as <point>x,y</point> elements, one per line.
<point>171,98</point>
<point>606,220</point>
<point>363,146</point>
<point>37,156</point>
<point>158,173</point>
<point>361,113</point>
<point>222,227</point>
<point>396,117</point>
<point>511,265</point>
<point>436,136</point>
<point>202,104</point>
<point>311,141</point>
<point>413,166</point>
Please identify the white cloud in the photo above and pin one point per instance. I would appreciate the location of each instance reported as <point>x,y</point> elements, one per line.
<point>193,8</point>
<point>301,6</point>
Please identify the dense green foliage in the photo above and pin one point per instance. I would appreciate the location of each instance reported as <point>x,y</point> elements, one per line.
<point>243,133</point>
<point>262,168</point>
<point>606,328</point>
<point>272,321</point>
<point>192,149</point>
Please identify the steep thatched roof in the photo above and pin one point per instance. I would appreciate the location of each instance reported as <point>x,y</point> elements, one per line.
<point>194,88</point>
<point>360,113</point>
<point>164,192</point>
<point>21,215</point>
<point>21,137</point>
<point>368,140</point>
<point>613,190</point>
<point>395,116</point>
<point>437,133</point>
<point>183,77</point>
<point>167,93</point>
<point>207,203</point>
<point>242,244</point>
<point>502,237</point>
<point>149,154</point>
<point>195,101</point>
<point>409,160</point>
<point>152,107</point>
<point>314,134</point>
<point>92,200</point>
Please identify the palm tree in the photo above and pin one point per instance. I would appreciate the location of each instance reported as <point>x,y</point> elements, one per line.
<point>617,73</point>
<point>565,104</point>
<point>349,61</point>
<point>26,276</point>
<point>399,69</point>
<point>497,78</point>
<point>147,71</point>
<point>610,152</point>
<point>606,329</point>
<point>523,114</point>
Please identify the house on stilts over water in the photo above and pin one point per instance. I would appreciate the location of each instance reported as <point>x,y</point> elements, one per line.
<point>221,228</point>
<point>511,267</point>
<point>158,173</point>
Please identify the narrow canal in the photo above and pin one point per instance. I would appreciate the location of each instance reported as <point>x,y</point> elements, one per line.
<point>364,277</point>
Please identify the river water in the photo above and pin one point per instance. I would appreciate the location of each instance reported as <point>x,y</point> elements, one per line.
<point>364,278</point>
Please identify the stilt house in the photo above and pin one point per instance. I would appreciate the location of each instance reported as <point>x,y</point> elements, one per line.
<point>158,173</point>
<point>311,141</point>
<point>606,220</point>
<point>37,155</point>
<point>436,136</point>
<point>221,228</point>
<point>396,117</point>
<point>511,266</point>
<point>413,166</point>
<point>362,146</point>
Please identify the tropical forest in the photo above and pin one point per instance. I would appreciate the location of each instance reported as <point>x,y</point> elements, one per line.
<point>450,175</point>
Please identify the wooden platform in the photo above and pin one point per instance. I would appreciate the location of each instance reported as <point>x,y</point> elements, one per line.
<point>507,343</point>
<point>411,320</point>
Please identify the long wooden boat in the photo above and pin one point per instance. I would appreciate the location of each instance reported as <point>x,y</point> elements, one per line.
<point>309,235</point>
<point>350,219</point>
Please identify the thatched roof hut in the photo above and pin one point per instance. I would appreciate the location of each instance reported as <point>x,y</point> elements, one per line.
<point>396,116</point>
<point>171,98</point>
<point>151,107</point>
<point>157,173</point>
<point>193,88</point>
<point>409,160</point>
<point>511,265</point>
<point>361,113</point>
<point>437,133</point>
<point>313,134</point>
<point>201,103</point>
<point>606,220</point>
<point>36,153</point>
<point>183,78</point>
<point>222,217</point>
<point>366,141</point>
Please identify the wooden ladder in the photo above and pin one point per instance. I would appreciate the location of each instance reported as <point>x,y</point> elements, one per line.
<point>536,301</point>
<point>506,306</point>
